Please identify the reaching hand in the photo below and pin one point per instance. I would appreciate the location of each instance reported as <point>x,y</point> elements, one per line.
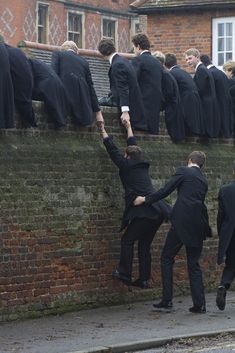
<point>100,124</point>
<point>139,200</point>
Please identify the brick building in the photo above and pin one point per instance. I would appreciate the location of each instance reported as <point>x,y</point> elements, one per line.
<point>54,21</point>
<point>176,25</point>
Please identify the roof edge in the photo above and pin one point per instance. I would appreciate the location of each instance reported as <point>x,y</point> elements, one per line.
<point>152,9</point>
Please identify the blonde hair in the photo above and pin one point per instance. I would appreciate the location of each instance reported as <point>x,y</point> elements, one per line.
<point>160,56</point>
<point>229,65</point>
<point>193,51</point>
<point>70,45</point>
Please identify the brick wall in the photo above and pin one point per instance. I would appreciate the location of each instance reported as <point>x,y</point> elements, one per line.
<point>18,21</point>
<point>178,31</point>
<point>61,203</point>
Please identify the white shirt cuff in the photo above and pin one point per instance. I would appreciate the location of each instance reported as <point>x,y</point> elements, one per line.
<point>125,108</point>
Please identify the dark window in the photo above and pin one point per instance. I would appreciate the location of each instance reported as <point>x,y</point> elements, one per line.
<point>75,28</point>
<point>109,27</point>
<point>42,23</point>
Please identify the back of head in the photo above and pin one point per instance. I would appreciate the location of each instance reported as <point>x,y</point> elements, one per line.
<point>197,157</point>
<point>170,60</point>
<point>160,56</point>
<point>106,47</point>
<point>142,40</point>
<point>205,60</point>
<point>134,152</point>
<point>193,51</point>
<point>70,45</point>
<point>229,66</point>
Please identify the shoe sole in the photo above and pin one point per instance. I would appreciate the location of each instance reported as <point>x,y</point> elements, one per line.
<point>221,299</point>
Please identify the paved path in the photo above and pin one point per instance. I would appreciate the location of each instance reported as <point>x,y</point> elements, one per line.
<point>116,326</point>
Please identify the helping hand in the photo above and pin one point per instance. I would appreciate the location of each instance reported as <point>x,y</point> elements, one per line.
<point>139,200</point>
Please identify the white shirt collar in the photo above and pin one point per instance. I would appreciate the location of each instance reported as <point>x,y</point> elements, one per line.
<point>111,57</point>
<point>193,165</point>
<point>209,66</point>
<point>144,51</point>
<point>172,67</point>
<point>198,65</point>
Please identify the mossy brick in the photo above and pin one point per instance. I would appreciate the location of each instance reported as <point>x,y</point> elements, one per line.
<point>59,189</point>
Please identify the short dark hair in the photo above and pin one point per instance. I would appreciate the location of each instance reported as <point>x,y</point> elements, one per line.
<point>142,40</point>
<point>134,152</point>
<point>170,60</point>
<point>197,157</point>
<point>106,47</point>
<point>205,59</point>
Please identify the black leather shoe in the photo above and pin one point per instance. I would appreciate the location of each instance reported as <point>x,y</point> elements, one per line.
<point>163,304</point>
<point>198,309</point>
<point>117,275</point>
<point>221,297</point>
<point>140,284</point>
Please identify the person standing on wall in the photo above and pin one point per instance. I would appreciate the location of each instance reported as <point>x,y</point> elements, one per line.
<point>6,90</point>
<point>206,89</point>
<point>226,232</point>
<point>171,103</point>
<point>124,87</point>
<point>189,227</point>
<point>140,223</point>
<point>149,76</point>
<point>223,97</point>
<point>75,75</point>
<point>189,97</point>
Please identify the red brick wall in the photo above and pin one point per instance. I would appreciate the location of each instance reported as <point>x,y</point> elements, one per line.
<point>18,21</point>
<point>176,32</point>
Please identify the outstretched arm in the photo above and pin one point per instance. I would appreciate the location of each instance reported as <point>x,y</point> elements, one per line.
<point>110,146</point>
<point>131,140</point>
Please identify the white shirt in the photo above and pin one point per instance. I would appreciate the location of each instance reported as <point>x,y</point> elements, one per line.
<point>198,65</point>
<point>193,165</point>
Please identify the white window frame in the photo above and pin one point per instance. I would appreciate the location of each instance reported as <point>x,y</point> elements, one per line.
<point>113,19</point>
<point>83,25</point>
<point>215,23</point>
<point>45,4</point>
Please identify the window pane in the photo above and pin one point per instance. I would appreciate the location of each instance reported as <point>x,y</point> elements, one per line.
<point>220,59</point>
<point>229,29</point>
<point>221,44</point>
<point>229,44</point>
<point>229,56</point>
<point>221,29</point>
<point>109,29</point>
<point>42,23</point>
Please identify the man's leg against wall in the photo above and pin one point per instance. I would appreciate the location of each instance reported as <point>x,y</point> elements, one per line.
<point>229,269</point>
<point>171,247</point>
<point>131,234</point>
<point>195,276</point>
<point>149,229</point>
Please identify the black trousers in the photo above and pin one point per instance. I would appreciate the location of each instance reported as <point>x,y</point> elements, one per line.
<point>143,231</point>
<point>171,248</point>
<point>229,269</point>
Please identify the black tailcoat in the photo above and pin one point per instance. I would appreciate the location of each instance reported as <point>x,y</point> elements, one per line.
<point>190,101</point>
<point>189,215</point>
<point>126,91</point>
<point>75,74</point>
<point>224,101</point>
<point>134,175</point>
<point>149,76</point>
<point>232,96</point>
<point>172,106</point>
<point>225,218</point>
<point>206,88</point>
<point>22,79</point>
<point>6,91</point>
<point>49,89</point>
